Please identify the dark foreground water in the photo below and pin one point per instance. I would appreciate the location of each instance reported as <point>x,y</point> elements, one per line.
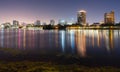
<point>82,43</point>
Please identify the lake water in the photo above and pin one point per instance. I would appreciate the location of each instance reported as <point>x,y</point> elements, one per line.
<point>82,43</point>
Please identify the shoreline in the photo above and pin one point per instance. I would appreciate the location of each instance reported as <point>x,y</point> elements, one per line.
<point>13,55</point>
<point>27,66</point>
<point>54,66</point>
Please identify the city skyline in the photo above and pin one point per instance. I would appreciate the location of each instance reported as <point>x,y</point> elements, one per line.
<point>109,18</point>
<point>31,10</point>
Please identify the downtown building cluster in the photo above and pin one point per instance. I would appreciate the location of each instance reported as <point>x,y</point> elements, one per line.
<point>109,18</point>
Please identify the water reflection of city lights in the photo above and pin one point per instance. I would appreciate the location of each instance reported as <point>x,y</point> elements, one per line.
<point>72,38</point>
<point>24,39</point>
<point>71,41</point>
<point>81,43</point>
<point>63,40</point>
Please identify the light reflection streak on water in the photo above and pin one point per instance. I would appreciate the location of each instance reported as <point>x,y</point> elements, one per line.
<point>108,36</point>
<point>50,39</point>
<point>111,38</point>
<point>72,38</point>
<point>63,40</point>
<point>56,39</point>
<point>93,38</point>
<point>106,40</point>
<point>98,39</point>
<point>32,38</point>
<point>81,43</point>
<point>19,38</point>
<point>2,38</point>
<point>24,39</point>
<point>16,38</point>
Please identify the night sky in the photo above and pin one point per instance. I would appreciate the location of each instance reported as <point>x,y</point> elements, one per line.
<point>31,10</point>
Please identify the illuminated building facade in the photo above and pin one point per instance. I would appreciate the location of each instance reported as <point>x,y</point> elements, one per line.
<point>52,22</point>
<point>15,22</point>
<point>109,18</point>
<point>38,22</point>
<point>81,16</point>
<point>62,22</point>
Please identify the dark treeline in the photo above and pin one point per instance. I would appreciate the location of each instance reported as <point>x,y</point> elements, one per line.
<point>59,26</point>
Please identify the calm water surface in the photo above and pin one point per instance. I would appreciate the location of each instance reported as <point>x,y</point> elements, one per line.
<point>83,43</point>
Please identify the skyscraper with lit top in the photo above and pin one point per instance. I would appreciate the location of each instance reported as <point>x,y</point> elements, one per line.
<point>81,17</point>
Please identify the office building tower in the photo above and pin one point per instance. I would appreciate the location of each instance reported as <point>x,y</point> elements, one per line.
<point>38,22</point>
<point>62,22</point>
<point>44,23</point>
<point>15,23</point>
<point>109,18</point>
<point>52,22</point>
<point>81,17</point>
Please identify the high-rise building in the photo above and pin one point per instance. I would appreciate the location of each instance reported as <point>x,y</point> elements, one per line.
<point>70,21</point>
<point>62,22</point>
<point>44,23</point>
<point>15,23</point>
<point>81,16</point>
<point>52,22</point>
<point>109,18</point>
<point>38,22</point>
